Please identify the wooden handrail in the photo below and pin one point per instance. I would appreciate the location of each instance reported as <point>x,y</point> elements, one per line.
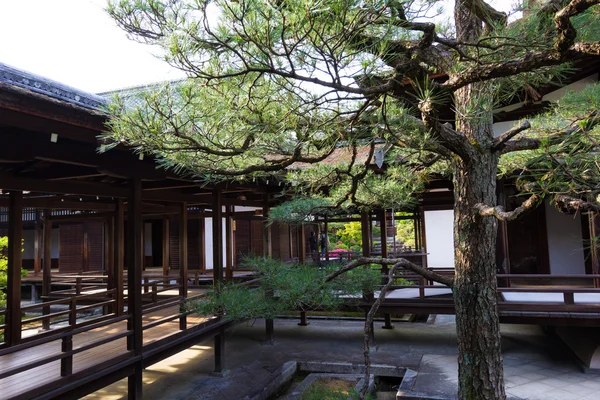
<point>66,300</point>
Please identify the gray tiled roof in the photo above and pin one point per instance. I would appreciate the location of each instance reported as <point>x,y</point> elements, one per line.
<point>49,87</point>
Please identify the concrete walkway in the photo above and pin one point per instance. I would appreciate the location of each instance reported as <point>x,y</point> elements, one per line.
<point>537,366</point>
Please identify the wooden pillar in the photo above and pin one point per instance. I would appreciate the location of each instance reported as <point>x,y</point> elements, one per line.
<point>202,243</point>
<point>229,242</point>
<point>301,244</point>
<point>12,331</point>
<point>134,280</point>
<point>166,248</point>
<point>217,237</point>
<point>383,238</point>
<point>37,244</point>
<point>326,228</point>
<point>594,227</point>
<point>384,267</point>
<point>303,319</point>
<point>267,239</point>
<point>422,236</point>
<point>109,257</point>
<point>119,254</point>
<point>183,260</point>
<point>365,227</point>
<point>47,267</point>
<point>503,238</point>
<point>220,354</point>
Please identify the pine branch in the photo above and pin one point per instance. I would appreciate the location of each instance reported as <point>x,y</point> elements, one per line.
<point>485,12</point>
<point>565,50</point>
<point>369,323</point>
<point>575,204</point>
<point>501,215</point>
<point>509,134</point>
<point>428,274</point>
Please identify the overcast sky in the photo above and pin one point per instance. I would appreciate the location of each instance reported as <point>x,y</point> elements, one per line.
<point>76,43</point>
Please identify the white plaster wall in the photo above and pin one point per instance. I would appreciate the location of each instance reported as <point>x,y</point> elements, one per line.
<point>208,242</point>
<point>148,239</point>
<point>565,242</point>
<point>29,243</point>
<point>574,87</point>
<point>439,237</point>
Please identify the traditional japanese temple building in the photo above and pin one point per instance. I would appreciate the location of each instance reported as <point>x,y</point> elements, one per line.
<point>111,231</point>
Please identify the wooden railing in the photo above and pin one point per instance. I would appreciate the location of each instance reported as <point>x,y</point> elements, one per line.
<point>65,354</point>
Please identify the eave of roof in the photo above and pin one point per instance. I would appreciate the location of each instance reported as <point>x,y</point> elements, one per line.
<point>48,87</point>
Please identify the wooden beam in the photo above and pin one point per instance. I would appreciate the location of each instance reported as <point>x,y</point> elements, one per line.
<point>217,237</point>
<point>12,332</point>
<point>10,181</point>
<point>47,267</point>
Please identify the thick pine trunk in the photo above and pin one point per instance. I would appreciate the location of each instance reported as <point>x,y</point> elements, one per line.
<point>478,332</point>
<point>481,374</point>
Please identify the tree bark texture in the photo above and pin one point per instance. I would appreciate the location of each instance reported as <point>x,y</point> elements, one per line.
<point>481,373</point>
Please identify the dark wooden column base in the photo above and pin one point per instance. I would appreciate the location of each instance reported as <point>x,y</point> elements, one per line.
<point>270,330</point>
<point>303,319</point>
<point>388,321</point>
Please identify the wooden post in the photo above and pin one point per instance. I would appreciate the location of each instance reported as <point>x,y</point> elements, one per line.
<point>47,267</point>
<point>301,244</point>
<point>503,238</point>
<point>202,243</point>
<point>183,260</point>
<point>12,331</point>
<point>422,237</point>
<point>119,253</point>
<point>166,256</point>
<point>109,259</point>
<point>229,242</point>
<point>220,354</point>
<point>594,226</point>
<point>326,228</point>
<point>291,241</point>
<point>37,244</point>
<point>303,319</point>
<point>384,268</point>
<point>365,227</point>
<point>417,229</point>
<point>217,237</point>
<point>134,279</point>
<point>267,242</point>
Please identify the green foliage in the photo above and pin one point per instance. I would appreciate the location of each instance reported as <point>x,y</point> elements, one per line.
<point>301,210</point>
<point>320,391</point>
<point>569,166</point>
<point>3,270</point>
<point>285,288</point>
<point>405,232</point>
<point>351,235</point>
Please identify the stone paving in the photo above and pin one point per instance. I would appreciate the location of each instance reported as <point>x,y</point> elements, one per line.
<point>537,366</point>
